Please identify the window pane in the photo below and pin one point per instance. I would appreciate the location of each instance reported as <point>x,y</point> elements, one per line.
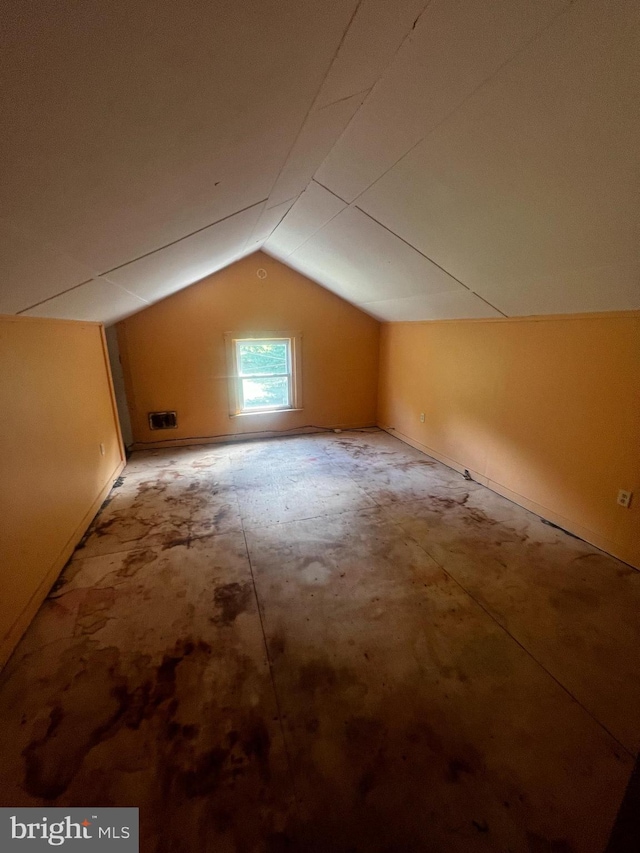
<point>265,393</point>
<point>262,357</point>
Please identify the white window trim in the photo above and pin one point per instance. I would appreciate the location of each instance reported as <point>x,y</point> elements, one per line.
<point>295,387</point>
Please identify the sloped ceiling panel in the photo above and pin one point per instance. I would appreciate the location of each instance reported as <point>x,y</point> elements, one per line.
<point>361,261</point>
<point>439,306</point>
<point>320,131</point>
<point>130,126</point>
<point>529,193</point>
<point>515,168</point>
<point>31,271</point>
<point>110,302</point>
<point>189,260</point>
<point>376,32</point>
<point>459,158</point>
<point>453,49</point>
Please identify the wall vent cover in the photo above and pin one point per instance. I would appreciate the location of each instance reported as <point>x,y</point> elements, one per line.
<point>163,420</point>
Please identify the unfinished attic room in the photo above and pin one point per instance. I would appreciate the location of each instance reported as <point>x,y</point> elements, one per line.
<point>320,376</point>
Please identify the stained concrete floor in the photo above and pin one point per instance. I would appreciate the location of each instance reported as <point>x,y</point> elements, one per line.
<point>328,643</point>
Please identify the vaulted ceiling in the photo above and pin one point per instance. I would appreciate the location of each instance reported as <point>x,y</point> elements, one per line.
<point>423,160</point>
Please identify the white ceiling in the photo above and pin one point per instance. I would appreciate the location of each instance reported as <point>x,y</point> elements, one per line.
<point>424,160</point>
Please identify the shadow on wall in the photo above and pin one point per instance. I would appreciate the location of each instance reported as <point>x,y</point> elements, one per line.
<point>118,386</point>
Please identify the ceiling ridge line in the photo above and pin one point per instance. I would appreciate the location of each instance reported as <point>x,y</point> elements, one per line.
<point>252,229</point>
<point>333,59</point>
<point>328,222</point>
<point>292,199</point>
<point>470,95</point>
<point>369,92</point>
<point>315,98</point>
<point>366,91</point>
<point>295,198</point>
<point>180,239</point>
<point>55,295</point>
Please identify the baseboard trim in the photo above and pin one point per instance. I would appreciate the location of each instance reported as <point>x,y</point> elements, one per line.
<point>15,633</point>
<point>247,436</point>
<point>610,547</point>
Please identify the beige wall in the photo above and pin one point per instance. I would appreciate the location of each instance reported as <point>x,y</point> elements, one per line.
<point>173,353</point>
<point>544,410</point>
<point>57,404</point>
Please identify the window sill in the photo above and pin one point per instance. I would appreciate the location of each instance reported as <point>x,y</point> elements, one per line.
<point>264,412</point>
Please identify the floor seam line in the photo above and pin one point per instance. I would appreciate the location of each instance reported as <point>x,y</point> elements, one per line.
<point>518,643</point>
<point>309,518</point>
<point>343,467</point>
<point>272,678</point>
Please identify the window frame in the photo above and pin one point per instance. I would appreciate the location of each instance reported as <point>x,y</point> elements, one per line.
<point>235,384</point>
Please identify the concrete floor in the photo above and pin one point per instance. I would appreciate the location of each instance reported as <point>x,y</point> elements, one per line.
<point>328,643</point>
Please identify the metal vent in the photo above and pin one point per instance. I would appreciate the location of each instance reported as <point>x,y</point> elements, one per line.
<point>163,420</point>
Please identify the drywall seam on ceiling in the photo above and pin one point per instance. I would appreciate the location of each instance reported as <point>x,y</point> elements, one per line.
<point>49,298</point>
<point>287,205</point>
<point>345,98</point>
<point>381,54</point>
<point>104,275</point>
<point>121,287</point>
<point>486,301</point>
<point>317,231</point>
<point>316,181</point>
<point>97,297</point>
<point>524,46</point>
<point>390,231</point>
<point>467,97</point>
<point>368,92</point>
<point>184,237</point>
<point>365,92</point>
<point>348,44</point>
<point>313,102</point>
<point>407,243</point>
<point>293,199</point>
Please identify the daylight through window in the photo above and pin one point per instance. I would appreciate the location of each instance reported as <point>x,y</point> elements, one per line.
<point>264,374</point>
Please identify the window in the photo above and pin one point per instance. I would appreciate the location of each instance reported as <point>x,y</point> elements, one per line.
<point>263,372</point>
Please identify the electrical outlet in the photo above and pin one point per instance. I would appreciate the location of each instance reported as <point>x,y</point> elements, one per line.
<point>421,417</point>
<point>101,449</point>
<point>624,498</point>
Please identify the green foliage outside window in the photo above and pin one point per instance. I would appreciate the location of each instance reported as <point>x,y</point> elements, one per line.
<point>264,371</point>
